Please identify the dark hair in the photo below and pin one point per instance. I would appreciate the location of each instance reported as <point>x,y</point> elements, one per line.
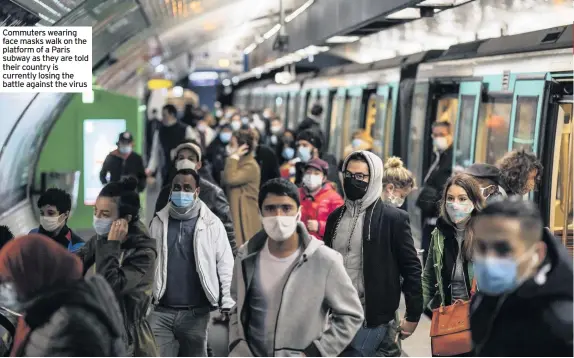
<point>5,235</point>
<point>472,189</point>
<point>191,172</point>
<point>280,187</point>
<point>317,109</point>
<point>441,124</point>
<point>245,136</point>
<point>56,197</point>
<point>126,197</point>
<point>515,208</point>
<point>170,108</point>
<point>514,169</point>
<point>356,156</point>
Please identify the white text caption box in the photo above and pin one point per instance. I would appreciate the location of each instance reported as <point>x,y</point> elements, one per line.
<point>46,59</point>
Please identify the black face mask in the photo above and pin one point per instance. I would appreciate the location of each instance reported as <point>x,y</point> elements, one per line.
<point>355,189</point>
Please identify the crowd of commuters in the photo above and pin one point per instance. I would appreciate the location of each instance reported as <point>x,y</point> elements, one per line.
<point>302,253</point>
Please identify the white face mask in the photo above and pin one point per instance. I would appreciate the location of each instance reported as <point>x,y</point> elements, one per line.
<point>185,164</point>
<point>280,228</point>
<point>51,223</point>
<point>312,181</point>
<point>440,143</point>
<point>395,200</point>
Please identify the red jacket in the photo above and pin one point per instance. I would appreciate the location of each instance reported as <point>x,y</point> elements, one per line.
<point>320,207</point>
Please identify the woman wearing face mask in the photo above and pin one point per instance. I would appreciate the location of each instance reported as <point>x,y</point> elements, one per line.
<point>448,273</point>
<point>217,152</point>
<point>124,254</point>
<point>61,314</point>
<point>520,172</point>
<point>124,162</point>
<point>286,151</point>
<point>318,197</point>
<point>398,182</point>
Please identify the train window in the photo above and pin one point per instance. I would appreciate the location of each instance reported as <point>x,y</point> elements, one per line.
<point>336,125</point>
<point>492,131</point>
<point>387,151</point>
<point>463,150</point>
<point>292,111</point>
<point>377,128</point>
<point>446,110</point>
<point>562,204</point>
<point>525,123</point>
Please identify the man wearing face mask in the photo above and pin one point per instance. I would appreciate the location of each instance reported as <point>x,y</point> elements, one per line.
<point>378,249</point>
<point>217,152</point>
<point>437,175</point>
<point>523,306</point>
<point>188,156</point>
<point>488,176</point>
<point>294,285</point>
<point>195,260</point>
<point>318,197</point>
<point>124,162</point>
<point>55,206</point>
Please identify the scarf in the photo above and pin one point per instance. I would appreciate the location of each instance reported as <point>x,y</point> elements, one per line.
<point>184,214</point>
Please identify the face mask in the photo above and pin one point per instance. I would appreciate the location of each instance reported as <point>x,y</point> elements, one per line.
<point>280,228</point>
<point>498,275</point>
<point>244,120</point>
<point>273,139</point>
<point>125,149</point>
<point>459,212</point>
<point>354,189</point>
<point>50,223</point>
<point>201,127</point>
<point>486,192</point>
<point>182,199</point>
<point>288,153</point>
<point>102,226</point>
<point>218,113</point>
<point>356,143</point>
<point>185,164</point>
<point>304,154</point>
<point>312,181</point>
<point>225,137</point>
<point>235,125</point>
<point>440,143</point>
<point>275,130</point>
<point>395,201</point>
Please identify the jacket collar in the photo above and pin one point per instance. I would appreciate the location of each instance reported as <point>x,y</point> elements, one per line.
<point>309,244</point>
<point>163,214</point>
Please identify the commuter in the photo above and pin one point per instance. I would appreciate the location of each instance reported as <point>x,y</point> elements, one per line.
<point>55,206</point>
<point>524,303</point>
<point>188,156</point>
<point>375,241</point>
<point>398,182</point>
<point>287,170</point>
<point>286,148</point>
<point>168,136</point>
<point>124,254</point>
<point>204,133</point>
<point>8,320</point>
<point>488,177</point>
<point>217,152</point>
<point>361,140</point>
<point>309,146</point>
<point>433,183</point>
<point>313,120</point>
<point>295,285</point>
<point>318,197</point>
<point>152,125</point>
<point>237,122</point>
<point>123,162</point>
<point>261,124</point>
<point>266,158</point>
<point>61,313</point>
<point>241,178</point>
<point>520,172</point>
<point>275,132</point>
<point>195,260</point>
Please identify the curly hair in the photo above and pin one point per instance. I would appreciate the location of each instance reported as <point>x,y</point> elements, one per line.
<point>514,169</point>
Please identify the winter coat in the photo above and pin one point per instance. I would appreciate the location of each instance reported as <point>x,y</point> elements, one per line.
<point>241,179</point>
<point>120,166</point>
<point>319,207</point>
<point>268,163</point>
<point>435,179</point>
<point>216,155</point>
<point>65,237</point>
<point>129,268</point>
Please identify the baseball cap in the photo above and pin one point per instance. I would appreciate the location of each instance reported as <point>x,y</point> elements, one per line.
<point>318,164</point>
<point>125,137</point>
<point>483,170</point>
<point>194,148</point>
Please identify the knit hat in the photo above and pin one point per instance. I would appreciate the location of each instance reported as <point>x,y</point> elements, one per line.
<point>194,148</point>
<point>313,137</point>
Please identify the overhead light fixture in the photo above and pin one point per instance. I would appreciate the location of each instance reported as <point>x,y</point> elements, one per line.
<point>405,14</point>
<point>223,62</point>
<point>159,68</point>
<point>343,39</point>
<point>226,82</point>
<point>204,76</point>
<point>249,49</point>
<point>235,80</point>
<point>445,3</point>
<point>272,32</point>
<point>177,91</point>
<point>299,11</point>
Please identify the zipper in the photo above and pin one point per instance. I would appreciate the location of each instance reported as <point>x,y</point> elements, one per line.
<point>197,264</point>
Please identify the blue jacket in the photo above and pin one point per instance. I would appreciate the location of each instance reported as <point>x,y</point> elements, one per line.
<point>74,242</point>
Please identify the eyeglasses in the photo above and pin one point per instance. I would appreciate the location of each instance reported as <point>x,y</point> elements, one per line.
<point>357,176</point>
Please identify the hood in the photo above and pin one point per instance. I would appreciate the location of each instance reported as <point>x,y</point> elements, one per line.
<point>375,188</point>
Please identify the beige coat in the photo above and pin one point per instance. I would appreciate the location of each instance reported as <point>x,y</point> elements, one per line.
<point>241,180</point>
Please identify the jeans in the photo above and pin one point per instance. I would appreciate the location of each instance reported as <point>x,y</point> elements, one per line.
<point>179,332</point>
<point>366,342</point>
<point>390,346</point>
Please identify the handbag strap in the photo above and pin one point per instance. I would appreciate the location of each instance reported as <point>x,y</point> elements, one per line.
<point>473,287</point>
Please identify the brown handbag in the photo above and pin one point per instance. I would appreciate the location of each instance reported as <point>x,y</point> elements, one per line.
<point>450,328</point>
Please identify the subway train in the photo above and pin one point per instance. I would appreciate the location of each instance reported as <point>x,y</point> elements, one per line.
<point>499,94</point>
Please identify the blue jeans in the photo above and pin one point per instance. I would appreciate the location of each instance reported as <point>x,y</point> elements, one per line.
<point>366,341</point>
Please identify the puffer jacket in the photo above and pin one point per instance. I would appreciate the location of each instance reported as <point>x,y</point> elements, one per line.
<point>215,199</point>
<point>129,268</point>
<point>319,207</point>
<point>80,320</point>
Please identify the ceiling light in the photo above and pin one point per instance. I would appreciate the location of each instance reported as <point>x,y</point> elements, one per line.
<point>249,49</point>
<point>48,8</point>
<point>443,2</point>
<point>235,80</point>
<point>405,14</point>
<point>224,63</point>
<point>342,39</point>
<point>299,11</point>
<point>272,32</point>
<point>177,91</point>
<point>159,68</point>
<point>226,82</point>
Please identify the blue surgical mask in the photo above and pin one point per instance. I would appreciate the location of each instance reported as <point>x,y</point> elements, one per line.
<point>225,137</point>
<point>458,212</point>
<point>182,199</point>
<point>356,143</point>
<point>304,154</point>
<point>288,153</point>
<point>235,125</point>
<point>125,149</point>
<point>102,226</point>
<point>498,275</point>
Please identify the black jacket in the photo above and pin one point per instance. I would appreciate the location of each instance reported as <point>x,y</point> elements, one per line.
<point>388,254</point>
<point>432,189</point>
<point>119,167</point>
<point>309,123</point>
<point>215,155</point>
<point>81,320</point>
<point>533,321</point>
<point>215,199</point>
<point>268,163</point>
<point>129,268</point>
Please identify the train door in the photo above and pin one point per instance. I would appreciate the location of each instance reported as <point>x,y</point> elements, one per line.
<point>292,108</point>
<point>377,128</point>
<point>353,120</point>
<point>328,116</point>
<point>323,100</point>
<point>368,106</point>
<point>493,126</point>
<point>336,125</point>
<point>469,98</point>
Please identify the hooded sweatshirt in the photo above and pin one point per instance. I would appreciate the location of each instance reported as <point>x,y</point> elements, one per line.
<point>349,235</point>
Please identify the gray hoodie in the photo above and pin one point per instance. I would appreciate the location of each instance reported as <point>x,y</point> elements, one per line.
<point>348,239</point>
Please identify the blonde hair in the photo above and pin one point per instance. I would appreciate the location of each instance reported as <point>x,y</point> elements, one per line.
<point>395,173</point>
